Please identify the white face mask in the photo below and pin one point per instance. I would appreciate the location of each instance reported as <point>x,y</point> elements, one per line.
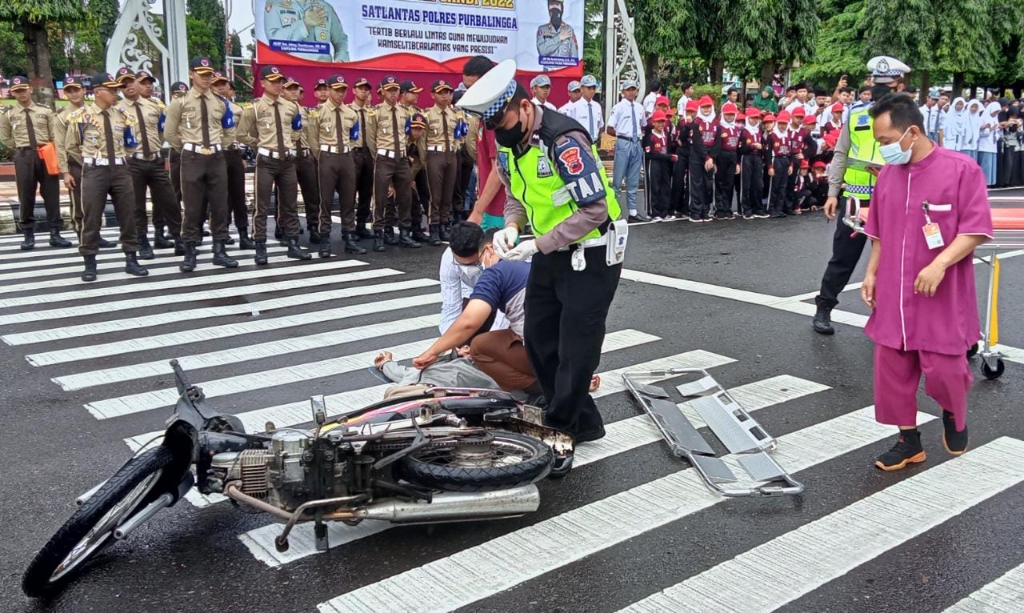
<point>893,153</point>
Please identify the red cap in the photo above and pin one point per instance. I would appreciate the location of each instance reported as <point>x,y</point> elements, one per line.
<point>691,105</point>
<point>706,101</point>
<point>783,116</point>
<point>662,100</point>
<point>768,117</point>
<point>810,120</point>
<point>740,116</point>
<point>798,112</point>
<point>818,164</point>
<point>803,164</point>
<point>729,108</point>
<point>658,116</point>
<point>754,112</point>
<point>837,107</point>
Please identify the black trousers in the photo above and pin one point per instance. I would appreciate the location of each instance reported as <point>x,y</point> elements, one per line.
<point>465,175</point>
<point>175,160</point>
<point>235,166</point>
<point>77,214</point>
<point>271,174</point>
<point>305,174</point>
<point>791,187</point>
<point>805,200</point>
<point>363,160</point>
<point>420,203</point>
<point>725,179</point>
<point>846,251</point>
<point>97,183</point>
<point>337,176</point>
<point>659,180</point>
<point>389,171</point>
<point>700,189</point>
<point>779,185</point>
<point>564,331</point>
<point>204,182</point>
<point>153,175</point>
<point>750,194</point>
<point>680,204</point>
<point>30,176</point>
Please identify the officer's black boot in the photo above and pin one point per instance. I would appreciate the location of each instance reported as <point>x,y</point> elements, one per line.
<point>261,253</point>
<point>89,274</point>
<point>145,250</point>
<point>314,236</point>
<point>325,246</point>
<point>363,232</point>
<point>105,244</point>
<point>220,255</point>
<point>229,240</point>
<point>405,239</point>
<point>244,241</point>
<point>278,234</point>
<point>189,263</point>
<point>389,237</point>
<point>435,235</point>
<point>378,241</point>
<point>30,239</point>
<point>132,266</point>
<point>446,231</point>
<point>822,322</point>
<point>56,240</point>
<point>179,247</point>
<point>160,241</point>
<point>294,251</point>
<point>418,235</point>
<point>351,243</point>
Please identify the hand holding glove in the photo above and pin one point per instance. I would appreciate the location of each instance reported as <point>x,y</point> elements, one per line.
<point>524,251</point>
<point>505,240</point>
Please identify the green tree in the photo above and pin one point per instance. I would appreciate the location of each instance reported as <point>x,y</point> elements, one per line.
<point>769,33</point>
<point>212,42</point>
<point>202,42</point>
<point>33,18</point>
<point>12,60</point>
<point>839,42</point>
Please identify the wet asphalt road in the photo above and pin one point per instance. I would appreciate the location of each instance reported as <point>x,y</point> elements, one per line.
<point>191,559</point>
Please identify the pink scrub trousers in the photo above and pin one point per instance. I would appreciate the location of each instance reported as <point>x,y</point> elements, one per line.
<point>898,375</point>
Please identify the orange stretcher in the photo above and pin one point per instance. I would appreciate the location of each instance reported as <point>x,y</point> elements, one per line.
<point>1008,234</point>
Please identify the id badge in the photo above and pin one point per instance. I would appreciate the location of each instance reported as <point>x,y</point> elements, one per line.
<point>932,235</point>
<point>618,234</point>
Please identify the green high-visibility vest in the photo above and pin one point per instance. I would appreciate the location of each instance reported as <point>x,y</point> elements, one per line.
<point>860,183</point>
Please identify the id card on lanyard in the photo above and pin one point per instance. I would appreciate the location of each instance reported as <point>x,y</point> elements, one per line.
<point>932,233</point>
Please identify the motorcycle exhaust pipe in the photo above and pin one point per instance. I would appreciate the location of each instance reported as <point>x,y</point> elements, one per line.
<point>456,506</point>
<point>143,516</point>
<point>81,500</point>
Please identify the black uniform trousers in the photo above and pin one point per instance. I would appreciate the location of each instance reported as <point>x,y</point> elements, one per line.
<point>305,174</point>
<point>700,190</point>
<point>175,160</point>
<point>337,176</point>
<point>153,174</point>
<point>420,204</point>
<point>279,174</point>
<point>75,168</point>
<point>234,165</point>
<point>791,188</point>
<point>97,183</point>
<point>847,248</point>
<point>441,171</point>
<point>680,204</point>
<point>779,184</point>
<point>204,181</point>
<point>564,332</point>
<point>659,180</point>
<point>464,177</point>
<point>725,179</point>
<point>750,178</point>
<point>389,171</point>
<point>363,160</point>
<point>30,176</point>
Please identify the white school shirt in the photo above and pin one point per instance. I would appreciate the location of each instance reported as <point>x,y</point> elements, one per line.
<point>622,120</point>
<point>546,105</point>
<point>583,111</point>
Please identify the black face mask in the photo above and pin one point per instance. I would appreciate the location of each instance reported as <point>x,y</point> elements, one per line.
<point>510,137</point>
<point>556,18</point>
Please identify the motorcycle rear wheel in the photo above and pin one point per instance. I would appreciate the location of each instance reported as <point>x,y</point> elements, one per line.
<point>515,460</point>
<point>92,526</point>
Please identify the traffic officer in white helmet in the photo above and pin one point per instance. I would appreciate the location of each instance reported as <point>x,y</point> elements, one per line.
<point>550,169</point>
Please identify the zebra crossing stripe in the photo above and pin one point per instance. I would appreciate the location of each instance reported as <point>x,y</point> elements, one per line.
<point>482,571</point>
<point>1004,595</point>
<point>209,294</point>
<point>778,572</point>
<point>199,335</point>
<point>621,436</point>
<point>40,261</point>
<point>245,353</point>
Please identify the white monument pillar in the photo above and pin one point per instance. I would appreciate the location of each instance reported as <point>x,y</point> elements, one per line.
<point>123,49</point>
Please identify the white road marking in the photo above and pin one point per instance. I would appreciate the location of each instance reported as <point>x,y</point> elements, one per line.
<point>782,570</point>
<point>482,571</point>
<point>40,261</point>
<point>1004,595</point>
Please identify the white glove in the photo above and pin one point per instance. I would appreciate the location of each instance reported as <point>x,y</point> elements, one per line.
<point>523,251</point>
<point>505,240</point>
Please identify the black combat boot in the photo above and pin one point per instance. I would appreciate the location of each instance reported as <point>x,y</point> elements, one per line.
<point>351,243</point>
<point>390,238</point>
<point>294,251</point>
<point>189,263</point>
<point>278,234</point>
<point>220,255</point>
<point>179,247</point>
<point>314,236</point>
<point>446,232</point>
<point>89,274</point>
<point>378,241</point>
<point>56,240</point>
<point>30,239</point>
<point>435,235</point>
<point>418,235</point>
<point>405,239</point>
<point>105,244</point>
<point>261,253</point>
<point>132,266</point>
<point>822,322</point>
<point>363,232</point>
<point>244,240</point>
<point>325,246</point>
<point>145,250</point>
<point>160,241</point>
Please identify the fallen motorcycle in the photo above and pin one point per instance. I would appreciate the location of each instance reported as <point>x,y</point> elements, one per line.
<point>442,455</point>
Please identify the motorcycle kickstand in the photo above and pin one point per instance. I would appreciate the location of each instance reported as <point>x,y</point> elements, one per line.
<point>320,532</point>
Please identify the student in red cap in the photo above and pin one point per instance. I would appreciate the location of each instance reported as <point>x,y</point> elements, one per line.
<point>830,132</point>
<point>659,152</point>
<point>726,162</point>
<point>781,165</point>
<point>818,186</point>
<point>681,168</point>
<point>704,146</point>
<point>801,184</point>
<point>797,146</point>
<point>751,150</point>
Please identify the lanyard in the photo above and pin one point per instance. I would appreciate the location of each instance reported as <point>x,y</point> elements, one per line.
<point>925,205</point>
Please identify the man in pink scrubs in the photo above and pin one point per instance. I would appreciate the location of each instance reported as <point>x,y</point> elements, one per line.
<point>930,210</point>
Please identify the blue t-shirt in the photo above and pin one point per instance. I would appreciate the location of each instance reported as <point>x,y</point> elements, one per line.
<point>503,287</point>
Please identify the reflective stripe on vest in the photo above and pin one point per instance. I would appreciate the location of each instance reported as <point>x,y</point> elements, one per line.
<point>860,183</point>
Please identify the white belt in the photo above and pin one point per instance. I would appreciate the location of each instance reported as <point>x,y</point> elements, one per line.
<point>334,149</point>
<point>388,153</point>
<point>102,161</point>
<point>274,154</point>
<point>201,150</point>
<point>148,158</point>
<point>600,241</point>
<point>436,148</point>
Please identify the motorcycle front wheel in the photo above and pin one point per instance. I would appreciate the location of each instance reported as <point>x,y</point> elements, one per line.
<point>502,460</point>
<point>92,526</point>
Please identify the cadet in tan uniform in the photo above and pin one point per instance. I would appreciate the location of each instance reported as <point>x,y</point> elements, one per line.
<point>442,159</point>
<point>234,164</point>
<point>331,130</point>
<point>420,199</point>
<point>144,82</point>
<point>178,90</point>
<point>147,167</point>
<point>305,163</point>
<point>363,158</point>
<point>100,134</point>
<point>385,134</point>
<point>268,126</point>
<point>24,128</point>
<point>194,127</point>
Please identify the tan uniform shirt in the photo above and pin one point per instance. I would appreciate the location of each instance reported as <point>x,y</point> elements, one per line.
<point>258,127</point>
<point>231,134</point>
<point>322,126</point>
<point>473,135</point>
<point>86,134</point>
<point>149,120</point>
<point>14,127</point>
<point>361,141</point>
<point>302,136</point>
<point>440,130</point>
<point>380,133</point>
<point>62,131</point>
<point>185,120</point>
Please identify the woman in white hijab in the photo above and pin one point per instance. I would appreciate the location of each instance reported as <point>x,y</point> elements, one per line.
<point>972,129</point>
<point>954,125</point>
<point>988,142</point>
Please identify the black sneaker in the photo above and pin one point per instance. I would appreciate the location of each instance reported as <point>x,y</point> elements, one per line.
<point>907,450</point>
<point>955,442</point>
<point>589,435</point>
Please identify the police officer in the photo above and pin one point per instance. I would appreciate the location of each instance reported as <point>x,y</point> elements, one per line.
<point>386,128</point>
<point>147,166</point>
<point>550,160</point>
<point>420,202</point>
<point>857,142</point>
<point>443,131</point>
<point>305,163</point>
<point>178,90</point>
<point>234,163</point>
<point>268,126</point>
<point>194,127</point>
<point>556,38</point>
<point>24,129</point>
<point>101,134</point>
<point>333,125</point>
<point>311,21</point>
<point>363,158</point>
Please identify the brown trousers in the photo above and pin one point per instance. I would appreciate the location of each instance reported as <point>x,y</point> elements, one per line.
<point>235,165</point>
<point>97,182</point>
<point>337,176</point>
<point>273,173</point>
<point>204,179</point>
<point>362,158</point>
<point>306,175</point>
<point>502,356</point>
<point>442,169</point>
<point>77,214</point>
<point>388,172</point>
<point>30,175</point>
<point>153,174</point>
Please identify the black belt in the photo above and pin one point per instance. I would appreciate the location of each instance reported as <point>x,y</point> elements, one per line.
<point>302,153</point>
